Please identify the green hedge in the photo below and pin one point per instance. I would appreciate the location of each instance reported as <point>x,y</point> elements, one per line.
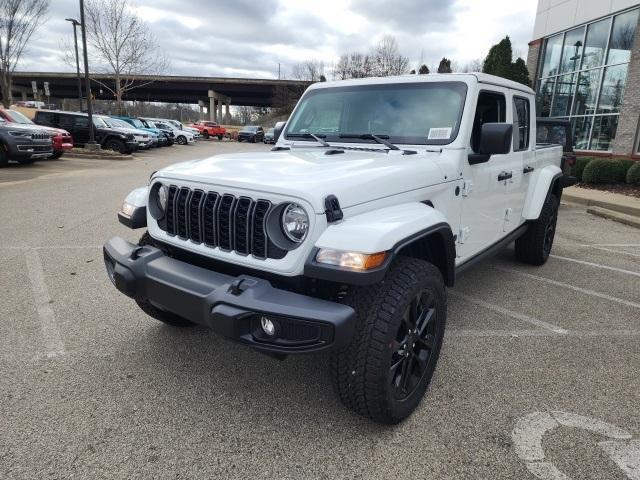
<point>581,163</point>
<point>627,163</point>
<point>633,174</point>
<point>602,170</point>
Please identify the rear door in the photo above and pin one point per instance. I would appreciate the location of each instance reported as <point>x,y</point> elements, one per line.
<point>520,163</point>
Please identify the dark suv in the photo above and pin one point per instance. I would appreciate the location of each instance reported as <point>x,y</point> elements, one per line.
<point>23,144</point>
<point>78,125</point>
<point>251,133</point>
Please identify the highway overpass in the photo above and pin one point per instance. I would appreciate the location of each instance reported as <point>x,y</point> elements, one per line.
<point>172,89</point>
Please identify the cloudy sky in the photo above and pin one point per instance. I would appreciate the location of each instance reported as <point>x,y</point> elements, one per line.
<point>248,38</point>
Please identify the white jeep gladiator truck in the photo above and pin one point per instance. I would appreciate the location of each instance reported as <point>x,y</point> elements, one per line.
<point>344,237</point>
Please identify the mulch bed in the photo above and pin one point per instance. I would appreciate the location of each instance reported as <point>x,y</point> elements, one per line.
<point>621,188</point>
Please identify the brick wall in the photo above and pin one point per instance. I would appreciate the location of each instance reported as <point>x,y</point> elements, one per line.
<point>626,136</point>
<point>533,56</point>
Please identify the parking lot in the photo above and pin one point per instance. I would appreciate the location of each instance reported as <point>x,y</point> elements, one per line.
<point>539,373</point>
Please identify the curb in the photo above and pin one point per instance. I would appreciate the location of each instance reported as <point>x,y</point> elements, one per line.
<point>96,156</point>
<point>616,207</point>
<point>630,220</point>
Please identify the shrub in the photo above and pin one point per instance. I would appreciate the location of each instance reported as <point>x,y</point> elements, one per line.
<point>627,163</point>
<point>602,170</point>
<point>633,174</point>
<point>581,163</point>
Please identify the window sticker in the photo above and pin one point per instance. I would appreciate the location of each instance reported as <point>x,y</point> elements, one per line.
<point>439,133</point>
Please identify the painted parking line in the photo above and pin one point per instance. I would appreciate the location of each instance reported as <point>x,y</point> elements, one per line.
<point>468,332</point>
<point>47,319</point>
<point>621,252</point>
<point>585,291</point>
<point>596,265</point>
<point>510,313</point>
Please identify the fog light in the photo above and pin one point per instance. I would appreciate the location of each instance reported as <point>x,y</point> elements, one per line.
<point>268,326</point>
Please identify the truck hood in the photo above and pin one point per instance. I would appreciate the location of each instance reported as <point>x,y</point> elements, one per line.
<point>355,177</point>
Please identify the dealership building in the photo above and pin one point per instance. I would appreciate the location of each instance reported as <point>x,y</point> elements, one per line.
<point>584,63</point>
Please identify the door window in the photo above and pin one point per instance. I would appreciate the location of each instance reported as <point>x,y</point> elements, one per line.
<point>491,109</point>
<point>65,122</point>
<point>521,122</point>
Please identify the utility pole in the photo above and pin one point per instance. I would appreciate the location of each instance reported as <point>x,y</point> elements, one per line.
<point>278,70</point>
<point>76,23</point>
<point>87,82</point>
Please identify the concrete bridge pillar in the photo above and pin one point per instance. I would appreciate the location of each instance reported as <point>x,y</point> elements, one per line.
<point>201,110</point>
<point>220,110</point>
<point>227,116</point>
<point>212,106</point>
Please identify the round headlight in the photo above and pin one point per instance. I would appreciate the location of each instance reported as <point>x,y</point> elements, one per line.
<point>163,193</point>
<point>295,222</point>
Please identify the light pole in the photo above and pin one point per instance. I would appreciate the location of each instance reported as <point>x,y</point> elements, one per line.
<point>87,82</point>
<point>75,24</point>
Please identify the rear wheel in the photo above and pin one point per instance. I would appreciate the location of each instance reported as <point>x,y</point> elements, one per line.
<point>385,371</point>
<point>534,247</point>
<point>205,134</point>
<point>155,312</point>
<point>220,137</point>
<point>116,146</point>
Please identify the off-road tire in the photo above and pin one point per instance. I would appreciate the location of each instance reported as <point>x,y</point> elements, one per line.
<point>535,245</point>
<point>155,312</point>
<point>361,372</point>
<point>115,146</point>
<point>205,134</point>
<point>220,137</point>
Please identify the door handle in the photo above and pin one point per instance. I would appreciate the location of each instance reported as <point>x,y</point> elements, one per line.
<point>505,176</point>
<point>528,169</point>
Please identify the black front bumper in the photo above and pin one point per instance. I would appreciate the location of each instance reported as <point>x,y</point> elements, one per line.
<point>231,306</point>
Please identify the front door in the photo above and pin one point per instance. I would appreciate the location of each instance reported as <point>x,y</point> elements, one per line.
<point>483,202</point>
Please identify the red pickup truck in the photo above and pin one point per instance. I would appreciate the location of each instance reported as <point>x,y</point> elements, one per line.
<point>209,129</point>
<point>60,139</point>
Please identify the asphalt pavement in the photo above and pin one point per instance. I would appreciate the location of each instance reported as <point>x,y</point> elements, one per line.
<point>539,374</point>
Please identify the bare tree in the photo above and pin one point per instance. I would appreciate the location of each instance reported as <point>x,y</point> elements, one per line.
<point>387,59</point>
<point>471,66</point>
<point>310,71</point>
<point>18,20</point>
<point>122,45</point>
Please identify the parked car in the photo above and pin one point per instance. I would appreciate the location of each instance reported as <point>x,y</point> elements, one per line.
<point>77,124</point>
<point>179,125</point>
<point>209,129</point>
<point>181,137</point>
<point>61,140</point>
<point>269,136</point>
<point>163,140</point>
<point>251,133</point>
<point>23,144</point>
<point>144,139</point>
<point>167,131</point>
<point>351,252</point>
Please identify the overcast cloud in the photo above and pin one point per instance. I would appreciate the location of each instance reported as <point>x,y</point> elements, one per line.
<point>248,38</point>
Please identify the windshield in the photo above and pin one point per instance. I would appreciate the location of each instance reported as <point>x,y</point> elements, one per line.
<point>249,129</point>
<point>18,117</point>
<point>150,124</point>
<point>137,123</point>
<point>116,122</point>
<point>410,113</point>
<point>99,122</point>
<point>270,131</point>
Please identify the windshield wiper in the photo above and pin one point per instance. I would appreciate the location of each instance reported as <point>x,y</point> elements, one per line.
<point>310,135</point>
<point>378,138</point>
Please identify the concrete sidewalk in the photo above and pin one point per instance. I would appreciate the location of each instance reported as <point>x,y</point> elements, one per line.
<point>621,208</point>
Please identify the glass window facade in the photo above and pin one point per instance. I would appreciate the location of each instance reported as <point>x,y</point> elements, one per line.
<point>582,76</point>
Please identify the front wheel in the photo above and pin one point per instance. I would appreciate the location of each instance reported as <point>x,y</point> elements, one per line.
<point>116,146</point>
<point>385,371</point>
<point>182,140</point>
<point>534,247</point>
<point>205,134</point>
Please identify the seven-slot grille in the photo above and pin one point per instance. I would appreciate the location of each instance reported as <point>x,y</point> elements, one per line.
<point>224,221</point>
<point>40,136</point>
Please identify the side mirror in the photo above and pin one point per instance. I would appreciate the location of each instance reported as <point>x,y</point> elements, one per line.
<point>495,139</point>
<point>277,130</point>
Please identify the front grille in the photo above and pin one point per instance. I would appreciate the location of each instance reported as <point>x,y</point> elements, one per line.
<point>226,222</point>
